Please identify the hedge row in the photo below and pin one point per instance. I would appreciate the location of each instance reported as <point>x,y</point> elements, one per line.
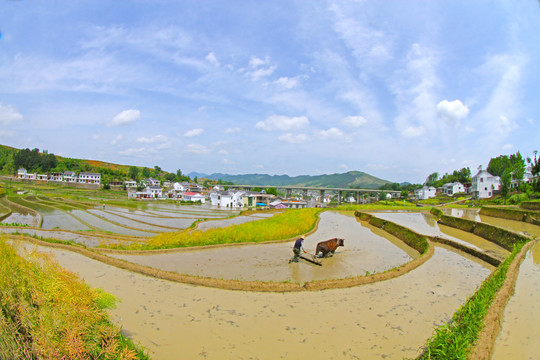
<point>409,237</point>
<point>531,205</point>
<point>511,214</point>
<point>506,239</point>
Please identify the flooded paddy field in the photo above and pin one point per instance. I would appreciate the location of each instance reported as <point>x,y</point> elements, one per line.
<point>519,227</point>
<point>364,251</point>
<point>518,338</point>
<point>426,224</point>
<point>390,319</point>
<point>237,220</point>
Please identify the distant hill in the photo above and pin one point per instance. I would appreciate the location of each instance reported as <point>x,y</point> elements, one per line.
<point>65,163</point>
<point>356,179</point>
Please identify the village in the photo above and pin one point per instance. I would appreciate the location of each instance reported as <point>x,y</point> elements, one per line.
<point>483,185</point>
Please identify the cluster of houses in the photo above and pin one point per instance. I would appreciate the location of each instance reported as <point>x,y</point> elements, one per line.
<point>483,185</point>
<point>66,177</point>
<point>218,196</point>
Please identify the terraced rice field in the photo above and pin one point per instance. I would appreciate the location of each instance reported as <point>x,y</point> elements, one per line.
<point>389,319</point>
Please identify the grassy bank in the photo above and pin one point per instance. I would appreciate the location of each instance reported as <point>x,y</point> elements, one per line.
<point>47,312</point>
<point>281,226</point>
<point>455,339</point>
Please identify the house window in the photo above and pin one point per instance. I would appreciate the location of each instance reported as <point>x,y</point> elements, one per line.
<point>481,179</point>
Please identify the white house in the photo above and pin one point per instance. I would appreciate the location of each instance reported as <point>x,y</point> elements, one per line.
<point>527,178</point>
<point>425,193</point>
<point>484,184</point>
<point>152,182</point>
<point>193,196</point>
<point>230,199</point>
<point>21,173</point>
<point>69,176</point>
<point>90,178</point>
<point>453,188</point>
<point>56,177</point>
<point>130,183</point>
<point>154,192</point>
<point>43,177</point>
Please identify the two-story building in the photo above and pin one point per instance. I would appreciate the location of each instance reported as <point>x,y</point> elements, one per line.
<point>90,178</point>
<point>484,185</point>
<point>453,188</point>
<point>227,199</point>
<point>425,192</point>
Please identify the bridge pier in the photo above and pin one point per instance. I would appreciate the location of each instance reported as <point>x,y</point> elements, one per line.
<point>339,197</point>
<point>321,194</point>
<point>288,193</point>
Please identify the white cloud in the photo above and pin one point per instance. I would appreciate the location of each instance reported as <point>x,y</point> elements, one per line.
<point>332,133</point>
<point>452,112</point>
<point>234,130</point>
<point>9,115</point>
<point>259,68</point>
<point>413,131</point>
<point>508,146</point>
<point>223,152</point>
<point>212,59</point>
<point>354,121</point>
<point>152,140</point>
<point>197,149</point>
<point>283,123</point>
<point>287,82</point>
<point>256,62</point>
<point>504,125</point>
<point>193,132</point>
<point>125,117</point>
<point>228,162</point>
<point>294,139</point>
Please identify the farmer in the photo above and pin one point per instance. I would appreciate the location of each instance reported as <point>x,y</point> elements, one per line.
<point>298,246</point>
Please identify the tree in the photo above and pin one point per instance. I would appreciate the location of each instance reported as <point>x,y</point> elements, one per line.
<point>432,179</point>
<point>517,167</point>
<point>170,177</point>
<point>146,172</point>
<point>404,194</point>
<point>133,172</point>
<point>497,165</point>
<point>535,170</point>
<point>271,191</point>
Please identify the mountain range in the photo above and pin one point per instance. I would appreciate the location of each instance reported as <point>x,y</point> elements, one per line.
<point>356,179</point>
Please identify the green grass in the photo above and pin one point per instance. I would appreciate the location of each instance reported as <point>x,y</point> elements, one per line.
<point>283,225</point>
<point>455,339</point>
<point>47,312</point>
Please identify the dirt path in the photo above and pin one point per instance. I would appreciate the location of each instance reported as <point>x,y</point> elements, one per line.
<point>390,319</point>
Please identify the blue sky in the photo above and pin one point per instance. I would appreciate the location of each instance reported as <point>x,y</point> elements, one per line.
<point>397,89</point>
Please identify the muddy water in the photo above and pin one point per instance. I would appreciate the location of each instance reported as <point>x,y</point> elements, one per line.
<point>469,214</point>
<point>519,335</point>
<point>425,223</point>
<point>390,319</point>
<point>88,240</point>
<point>125,221</point>
<point>18,218</point>
<point>214,224</point>
<point>108,226</point>
<point>519,227</point>
<point>364,251</point>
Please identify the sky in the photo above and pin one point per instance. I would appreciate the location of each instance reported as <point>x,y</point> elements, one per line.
<point>397,89</point>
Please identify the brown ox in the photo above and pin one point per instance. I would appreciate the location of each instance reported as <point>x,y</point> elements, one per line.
<point>328,247</point>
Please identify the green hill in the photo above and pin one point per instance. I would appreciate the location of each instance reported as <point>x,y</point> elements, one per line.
<point>355,179</point>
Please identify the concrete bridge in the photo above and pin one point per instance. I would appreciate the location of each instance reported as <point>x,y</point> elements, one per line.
<point>322,190</point>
